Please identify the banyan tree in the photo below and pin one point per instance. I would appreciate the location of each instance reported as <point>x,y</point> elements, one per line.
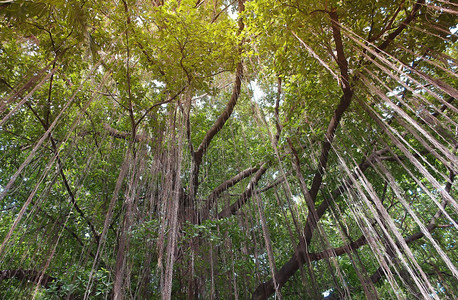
<point>219,149</point>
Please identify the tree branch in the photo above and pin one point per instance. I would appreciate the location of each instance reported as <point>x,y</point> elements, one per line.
<point>390,23</point>
<point>272,185</point>
<point>430,227</point>
<point>338,113</point>
<point>159,103</point>
<point>27,275</point>
<point>299,257</point>
<point>228,184</point>
<point>62,174</point>
<point>126,135</point>
<point>339,251</point>
<point>232,209</point>
<point>264,290</point>
<point>219,123</point>
<point>402,26</point>
<point>217,126</point>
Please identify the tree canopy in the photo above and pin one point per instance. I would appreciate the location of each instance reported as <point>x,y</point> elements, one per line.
<point>218,149</point>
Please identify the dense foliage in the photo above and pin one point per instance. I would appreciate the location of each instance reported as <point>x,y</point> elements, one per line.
<point>222,149</point>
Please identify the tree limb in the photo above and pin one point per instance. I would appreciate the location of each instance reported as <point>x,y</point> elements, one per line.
<point>125,135</point>
<point>272,185</point>
<point>338,251</point>
<point>159,103</point>
<point>232,209</point>
<point>62,174</point>
<point>217,126</point>
<point>430,227</point>
<point>390,23</point>
<point>264,290</point>
<point>299,256</point>
<point>228,184</point>
<point>219,123</point>
<point>402,26</point>
<point>27,275</point>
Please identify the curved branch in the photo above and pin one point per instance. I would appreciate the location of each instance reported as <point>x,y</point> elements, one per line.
<point>271,185</point>
<point>361,241</point>
<point>159,103</point>
<point>344,103</point>
<point>219,123</point>
<point>62,174</point>
<point>430,227</point>
<point>264,290</point>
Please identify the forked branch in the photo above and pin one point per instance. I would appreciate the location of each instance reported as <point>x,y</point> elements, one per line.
<point>232,209</point>
<point>228,184</point>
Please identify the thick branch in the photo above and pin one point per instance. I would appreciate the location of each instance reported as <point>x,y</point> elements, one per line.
<point>299,257</point>
<point>264,290</point>
<point>27,275</point>
<point>125,135</point>
<point>338,113</point>
<point>277,111</point>
<point>228,184</point>
<point>402,26</point>
<point>232,209</point>
<point>219,123</point>
<point>339,251</point>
